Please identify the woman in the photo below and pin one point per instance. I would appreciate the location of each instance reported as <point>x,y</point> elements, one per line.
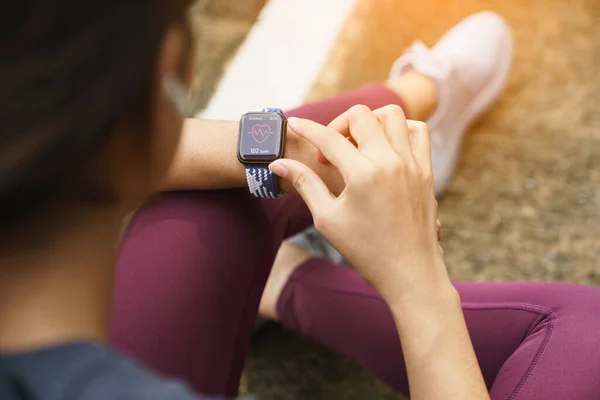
<point>91,130</point>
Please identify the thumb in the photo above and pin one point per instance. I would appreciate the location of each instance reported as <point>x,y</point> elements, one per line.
<point>307,183</point>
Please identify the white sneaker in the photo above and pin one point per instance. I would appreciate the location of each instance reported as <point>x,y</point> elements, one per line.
<point>471,65</point>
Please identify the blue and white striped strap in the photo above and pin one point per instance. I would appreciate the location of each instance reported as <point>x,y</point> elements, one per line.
<point>273,110</point>
<point>261,181</point>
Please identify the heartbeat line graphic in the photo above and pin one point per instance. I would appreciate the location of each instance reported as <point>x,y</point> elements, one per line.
<point>260,133</point>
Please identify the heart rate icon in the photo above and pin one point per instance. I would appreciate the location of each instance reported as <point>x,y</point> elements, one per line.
<point>261,133</point>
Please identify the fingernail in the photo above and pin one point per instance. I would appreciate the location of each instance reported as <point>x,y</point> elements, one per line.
<point>294,123</point>
<point>279,169</point>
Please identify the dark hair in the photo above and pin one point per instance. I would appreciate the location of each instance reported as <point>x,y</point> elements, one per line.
<point>69,70</point>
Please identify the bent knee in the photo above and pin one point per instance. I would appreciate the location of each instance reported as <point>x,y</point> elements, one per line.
<point>230,220</point>
<point>579,303</point>
<point>196,205</point>
<point>205,209</point>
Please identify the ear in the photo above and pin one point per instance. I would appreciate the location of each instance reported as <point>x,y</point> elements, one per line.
<point>142,160</point>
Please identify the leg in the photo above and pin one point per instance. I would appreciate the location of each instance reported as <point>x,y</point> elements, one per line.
<point>533,340</point>
<point>193,266</point>
<point>190,275</point>
<point>414,92</point>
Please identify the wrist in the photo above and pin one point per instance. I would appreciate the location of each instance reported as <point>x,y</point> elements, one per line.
<point>206,158</point>
<point>431,299</point>
<point>234,171</point>
<point>424,285</point>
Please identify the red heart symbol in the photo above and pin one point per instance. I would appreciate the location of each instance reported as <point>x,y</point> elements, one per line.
<point>261,133</point>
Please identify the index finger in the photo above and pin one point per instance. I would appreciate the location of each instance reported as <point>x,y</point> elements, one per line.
<point>360,123</point>
<point>393,119</point>
<point>339,151</point>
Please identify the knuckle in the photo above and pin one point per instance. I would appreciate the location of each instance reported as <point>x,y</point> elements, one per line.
<point>394,109</point>
<point>299,182</point>
<point>426,178</point>
<point>395,167</point>
<point>319,222</point>
<point>359,109</point>
<point>421,126</point>
<point>322,221</point>
<point>430,183</point>
<point>366,176</point>
<point>389,171</point>
<point>409,163</point>
<point>399,166</point>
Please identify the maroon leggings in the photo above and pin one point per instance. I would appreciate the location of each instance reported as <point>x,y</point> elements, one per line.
<point>193,266</point>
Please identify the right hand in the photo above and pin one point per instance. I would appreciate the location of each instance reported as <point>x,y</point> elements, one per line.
<point>385,220</point>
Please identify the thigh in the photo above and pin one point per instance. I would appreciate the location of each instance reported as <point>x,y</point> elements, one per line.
<point>529,337</point>
<point>190,274</point>
<point>538,340</point>
<point>324,111</point>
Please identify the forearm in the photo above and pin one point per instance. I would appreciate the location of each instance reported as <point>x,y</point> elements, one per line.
<point>438,353</point>
<point>207,159</point>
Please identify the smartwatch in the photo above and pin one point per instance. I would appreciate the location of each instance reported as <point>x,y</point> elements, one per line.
<point>262,141</point>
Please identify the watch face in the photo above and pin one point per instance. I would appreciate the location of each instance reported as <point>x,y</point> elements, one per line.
<point>261,137</point>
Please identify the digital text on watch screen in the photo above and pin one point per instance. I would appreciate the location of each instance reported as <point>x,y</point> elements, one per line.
<point>260,136</point>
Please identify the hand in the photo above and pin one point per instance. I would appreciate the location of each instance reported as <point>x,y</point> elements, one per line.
<point>299,149</point>
<point>323,160</point>
<point>384,221</point>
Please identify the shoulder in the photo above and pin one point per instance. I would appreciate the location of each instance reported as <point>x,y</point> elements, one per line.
<point>90,372</point>
<point>108,375</point>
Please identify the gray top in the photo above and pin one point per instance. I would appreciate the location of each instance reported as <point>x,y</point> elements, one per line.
<point>83,371</point>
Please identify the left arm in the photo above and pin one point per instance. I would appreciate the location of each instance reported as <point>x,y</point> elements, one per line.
<point>206,159</point>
